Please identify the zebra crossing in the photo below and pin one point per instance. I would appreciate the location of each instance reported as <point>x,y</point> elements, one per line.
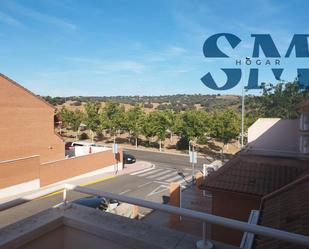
<point>163,175</point>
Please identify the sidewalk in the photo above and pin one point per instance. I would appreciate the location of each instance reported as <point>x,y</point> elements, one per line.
<point>82,181</point>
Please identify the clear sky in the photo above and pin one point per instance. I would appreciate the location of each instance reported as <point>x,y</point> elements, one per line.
<point>131,47</point>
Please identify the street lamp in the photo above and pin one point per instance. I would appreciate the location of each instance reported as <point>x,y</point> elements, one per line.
<point>243,105</point>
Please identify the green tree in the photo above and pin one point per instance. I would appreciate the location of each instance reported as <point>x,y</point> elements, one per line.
<point>64,115</point>
<point>147,128</point>
<point>280,100</point>
<point>76,119</point>
<point>157,124</point>
<point>92,117</point>
<point>225,126</point>
<point>135,118</point>
<point>191,125</point>
<point>113,118</point>
<point>170,118</point>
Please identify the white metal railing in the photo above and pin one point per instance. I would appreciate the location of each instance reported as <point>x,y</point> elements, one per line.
<point>248,238</point>
<point>213,219</point>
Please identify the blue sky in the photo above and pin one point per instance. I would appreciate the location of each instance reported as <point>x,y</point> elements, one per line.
<point>103,48</point>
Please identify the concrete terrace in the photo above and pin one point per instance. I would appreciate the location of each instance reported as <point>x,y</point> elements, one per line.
<point>76,226</point>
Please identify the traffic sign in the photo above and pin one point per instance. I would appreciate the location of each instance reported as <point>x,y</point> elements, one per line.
<point>193,156</point>
<point>115,148</point>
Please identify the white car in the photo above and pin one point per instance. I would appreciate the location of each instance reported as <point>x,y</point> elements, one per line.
<point>82,143</point>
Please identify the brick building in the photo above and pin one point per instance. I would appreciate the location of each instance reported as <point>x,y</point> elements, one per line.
<point>26,124</point>
<point>239,186</point>
<point>275,157</point>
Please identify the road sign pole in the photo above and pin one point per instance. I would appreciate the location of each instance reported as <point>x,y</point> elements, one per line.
<point>115,151</point>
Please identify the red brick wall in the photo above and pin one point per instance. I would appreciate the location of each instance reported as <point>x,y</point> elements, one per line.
<point>26,125</point>
<point>27,169</point>
<point>19,171</point>
<point>234,206</point>
<point>52,172</point>
<point>174,201</point>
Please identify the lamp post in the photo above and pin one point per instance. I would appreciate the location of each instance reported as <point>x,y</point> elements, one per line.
<point>243,105</point>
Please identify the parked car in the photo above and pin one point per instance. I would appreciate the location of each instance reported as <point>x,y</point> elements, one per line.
<point>82,143</point>
<point>69,146</point>
<point>97,202</point>
<point>128,158</point>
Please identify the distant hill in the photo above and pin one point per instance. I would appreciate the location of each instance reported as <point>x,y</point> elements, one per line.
<point>178,102</point>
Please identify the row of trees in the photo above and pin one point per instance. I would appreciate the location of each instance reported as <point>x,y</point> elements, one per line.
<point>190,125</point>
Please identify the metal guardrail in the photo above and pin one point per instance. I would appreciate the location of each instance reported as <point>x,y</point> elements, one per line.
<point>213,219</point>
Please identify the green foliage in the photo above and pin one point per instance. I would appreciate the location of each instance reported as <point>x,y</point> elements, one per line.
<point>113,118</point>
<point>225,126</point>
<point>192,124</point>
<point>156,125</point>
<point>280,100</point>
<point>92,115</point>
<point>135,118</point>
<point>77,118</point>
<point>179,116</point>
<point>71,119</point>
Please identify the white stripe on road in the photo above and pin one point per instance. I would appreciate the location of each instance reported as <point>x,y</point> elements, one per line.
<point>142,171</point>
<point>167,176</point>
<point>150,172</point>
<point>144,184</point>
<point>178,177</point>
<point>187,179</point>
<point>126,191</point>
<point>159,174</point>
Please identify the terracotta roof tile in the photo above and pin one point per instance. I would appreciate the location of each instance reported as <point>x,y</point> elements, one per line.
<point>285,209</point>
<point>255,175</point>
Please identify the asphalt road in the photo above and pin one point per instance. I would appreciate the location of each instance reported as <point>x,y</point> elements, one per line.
<point>167,160</point>
<point>150,184</point>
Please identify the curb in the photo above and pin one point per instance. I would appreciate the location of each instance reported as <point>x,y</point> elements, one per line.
<point>29,196</point>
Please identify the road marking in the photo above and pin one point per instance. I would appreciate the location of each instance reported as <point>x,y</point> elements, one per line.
<point>99,180</point>
<point>126,191</point>
<point>159,174</point>
<point>142,171</point>
<point>150,172</point>
<point>162,183</point>
<point>186,180</point>
<point>142,185</point>
<point>158,190</point>
<point>82,185</point>
<point>167,176</point>
<point>174,178</point>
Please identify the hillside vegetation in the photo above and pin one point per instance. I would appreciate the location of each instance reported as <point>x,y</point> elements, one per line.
<point>208,122</point>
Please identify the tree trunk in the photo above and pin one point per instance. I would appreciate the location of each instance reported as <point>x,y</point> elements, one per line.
<point>92,136</point>
<point>222,150</point>
<point>136,142</point>
<point>171,137</point>
<point>160,144</point>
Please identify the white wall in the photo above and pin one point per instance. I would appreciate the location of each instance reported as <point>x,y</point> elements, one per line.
<point>85,150</point>
<point>274,134</point>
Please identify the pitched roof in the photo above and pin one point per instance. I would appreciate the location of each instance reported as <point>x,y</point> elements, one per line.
<point>255,175</point>
<point>26,90</point>
<point>285,209</point>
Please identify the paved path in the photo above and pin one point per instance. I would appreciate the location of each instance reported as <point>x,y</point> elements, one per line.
<point>150,184</point>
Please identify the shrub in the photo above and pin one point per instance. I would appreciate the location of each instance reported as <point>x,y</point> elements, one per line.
<point>182,144</point>
<point>83,136</point>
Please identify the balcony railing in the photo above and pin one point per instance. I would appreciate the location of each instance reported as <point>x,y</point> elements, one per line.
<point>212,219</point>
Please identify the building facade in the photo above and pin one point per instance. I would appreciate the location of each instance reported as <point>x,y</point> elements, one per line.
<point>26,125</point>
